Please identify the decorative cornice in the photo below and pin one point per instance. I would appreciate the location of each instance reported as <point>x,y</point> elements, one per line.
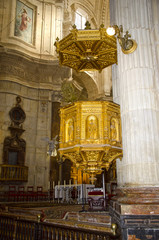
<point>30,72</point>
<point>13,52</point>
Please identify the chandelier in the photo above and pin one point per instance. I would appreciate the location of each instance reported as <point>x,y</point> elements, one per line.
<point>87,50</point>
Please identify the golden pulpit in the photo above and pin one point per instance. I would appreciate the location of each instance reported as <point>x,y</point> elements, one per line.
<point>90,136</point>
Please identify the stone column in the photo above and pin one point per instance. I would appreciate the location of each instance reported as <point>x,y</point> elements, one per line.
<point>135,86</point>
<point>138,84</point>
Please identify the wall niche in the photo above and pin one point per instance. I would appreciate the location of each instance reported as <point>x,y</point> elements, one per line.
<point>14,146</point>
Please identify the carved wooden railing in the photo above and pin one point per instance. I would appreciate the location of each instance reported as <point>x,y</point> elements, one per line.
<point>13,228</point>
<point>13,173</point>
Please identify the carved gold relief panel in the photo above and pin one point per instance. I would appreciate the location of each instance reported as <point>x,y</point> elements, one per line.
<point>68,126</point>
<point>91,122</point>
<point>91,127</point>
<point>114,130</point>
<point>69,130</point>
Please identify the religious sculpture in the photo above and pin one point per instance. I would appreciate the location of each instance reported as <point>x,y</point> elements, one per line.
<point>113,130</point>
<point>70,130</point>
<point>92,127</point>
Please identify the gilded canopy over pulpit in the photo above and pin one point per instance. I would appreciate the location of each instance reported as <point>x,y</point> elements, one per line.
<point>90,136</point>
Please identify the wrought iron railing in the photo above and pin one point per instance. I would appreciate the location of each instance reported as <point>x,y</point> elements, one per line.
<point>13,173</point>
<point>12,228</point>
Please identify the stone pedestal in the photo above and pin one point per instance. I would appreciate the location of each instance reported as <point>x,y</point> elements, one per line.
<point>136,211</point>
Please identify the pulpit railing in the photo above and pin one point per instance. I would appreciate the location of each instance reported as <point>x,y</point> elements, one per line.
<point>13,173</point>
<point>13,228</point>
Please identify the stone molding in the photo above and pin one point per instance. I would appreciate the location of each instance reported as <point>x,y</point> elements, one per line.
<point>45,75</point>
<point>138,226</point>
<point>138,195</point>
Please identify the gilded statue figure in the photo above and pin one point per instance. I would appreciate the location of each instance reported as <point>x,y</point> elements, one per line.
<point>92,127</point>
<point>70,130</point>
<point>113,130</point>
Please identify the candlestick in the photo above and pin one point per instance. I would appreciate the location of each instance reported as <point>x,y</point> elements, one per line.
<point>76,183</point>
<point>70,182</point>
<point>48,185</point>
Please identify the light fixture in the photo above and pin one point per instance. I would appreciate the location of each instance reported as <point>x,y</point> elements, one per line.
<point>110,31</point>
<point>127,44</point>
<point>88,49</point>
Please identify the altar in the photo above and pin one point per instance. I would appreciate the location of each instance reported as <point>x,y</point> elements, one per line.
<point>73,192</point>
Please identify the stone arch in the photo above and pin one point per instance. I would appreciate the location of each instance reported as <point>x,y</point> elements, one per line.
<point>93,9</point>
<point>85,80</point>
<point>87,7</point>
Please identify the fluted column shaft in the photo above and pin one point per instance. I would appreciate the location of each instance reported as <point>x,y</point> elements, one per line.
<point>136,89</point>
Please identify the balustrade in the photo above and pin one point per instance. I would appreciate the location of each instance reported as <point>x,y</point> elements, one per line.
<point>13,173</point>
<point>15,228</point>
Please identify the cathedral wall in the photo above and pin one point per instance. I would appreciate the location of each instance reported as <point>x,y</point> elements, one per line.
<point>29,68</point>
<point>37,107</point>
<point>38,84</point>
<point>31,26</point>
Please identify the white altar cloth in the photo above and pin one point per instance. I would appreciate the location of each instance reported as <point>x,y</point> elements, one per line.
<point>63,192</point>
